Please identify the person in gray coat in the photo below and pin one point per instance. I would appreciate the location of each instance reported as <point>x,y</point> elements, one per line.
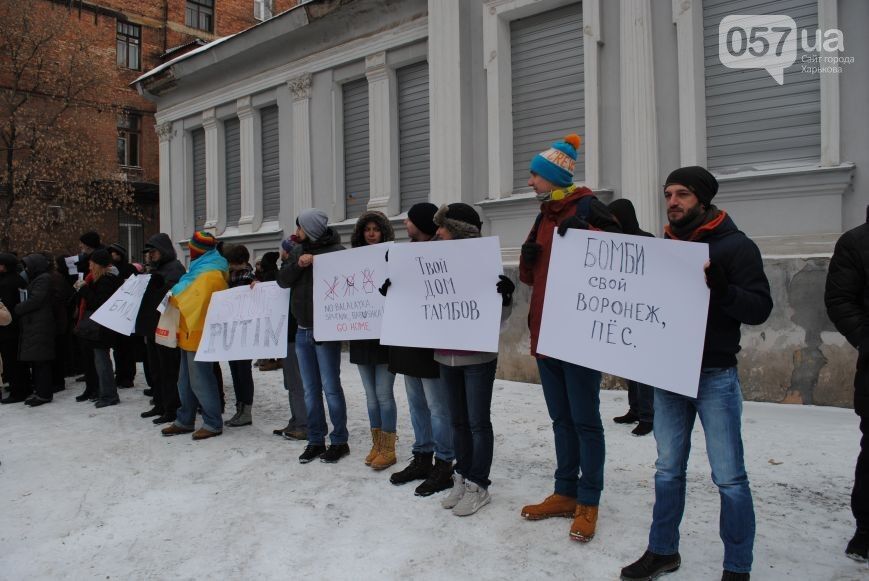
<point>36,318</point>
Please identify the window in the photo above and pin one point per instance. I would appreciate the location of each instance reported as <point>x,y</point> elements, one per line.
<point>271,162</point>
<point>200,14</point>
<point>262,9</point>
<point>197,138</point>
<point>413,134</point>
<point>129,135</point>
<point>232,168</point>
<point>131,235</point>
<point>129,37</point>
<point>357,185</point>
<point>548,72</point>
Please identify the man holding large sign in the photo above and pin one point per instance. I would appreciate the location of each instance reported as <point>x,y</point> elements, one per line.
<point>739,294</point>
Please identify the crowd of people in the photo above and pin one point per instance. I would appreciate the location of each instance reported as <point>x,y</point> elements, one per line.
<point>449,392</point>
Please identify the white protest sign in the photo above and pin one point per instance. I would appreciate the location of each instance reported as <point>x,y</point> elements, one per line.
<point>631,306</point>
<point>443,295</point>
<point>246,323</point>
<point>120,311</point>
<point>71,265</point>
<point>347,304</point>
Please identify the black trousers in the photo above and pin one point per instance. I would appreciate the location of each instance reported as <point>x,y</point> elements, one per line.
<point>58,366</point>
<point>15,373</point>
<point>164,363</point>
<point>125,360</point>
<point>42,379</point>
<point>860,494</point>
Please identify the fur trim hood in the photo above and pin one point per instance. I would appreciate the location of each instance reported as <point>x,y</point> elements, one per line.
<point>459,229</point>
<point>379,218</point>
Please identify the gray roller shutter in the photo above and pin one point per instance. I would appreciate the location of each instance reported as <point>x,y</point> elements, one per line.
<point>413,134</point>
<point>198,138</point>
<point>232,148</point>
<point>357,185</point>
<point>548,85</point>
<point>751,120</point>
<point>271,163</point>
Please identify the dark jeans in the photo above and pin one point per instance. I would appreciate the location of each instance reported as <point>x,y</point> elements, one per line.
<point>165,362</point>
<point>242,380</point>
<point>125,359</point>
<point>641,399</point>
<point>860,494</point>
<point>320,367</point>
<point>470,401</point>
<point>108,390</point>
<point>41,371</point>
<point>295,389</point>
<point>91,380</point>
<point>572,395</point>
<point>17,374</point>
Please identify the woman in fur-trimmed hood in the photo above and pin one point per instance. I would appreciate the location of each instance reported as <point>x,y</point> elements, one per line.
<point>372,359</point>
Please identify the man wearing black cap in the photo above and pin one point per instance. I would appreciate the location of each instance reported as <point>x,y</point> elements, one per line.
<point>739,294</point>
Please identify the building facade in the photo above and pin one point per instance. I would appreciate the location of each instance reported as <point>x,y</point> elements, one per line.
<point>378,104</point>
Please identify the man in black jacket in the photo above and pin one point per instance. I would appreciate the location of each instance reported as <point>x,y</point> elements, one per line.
<point>739,294</point>
<point>36,317</point>
<point>15,372</point>
<point>847,300</point>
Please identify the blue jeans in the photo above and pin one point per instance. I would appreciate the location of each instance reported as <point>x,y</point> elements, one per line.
<point>378,381</point>
<point>572,395</point>
<point>108,391</point>
<point>470,389</point>
<point>320,367</point>
<point>719,405</point>
<point>295,389</point>
<point>197,389</point>
<point>242,380</point>
<point>428,400</point>
<point>641,399</point>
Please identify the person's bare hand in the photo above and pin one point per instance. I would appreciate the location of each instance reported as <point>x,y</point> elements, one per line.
<point>306,260</point>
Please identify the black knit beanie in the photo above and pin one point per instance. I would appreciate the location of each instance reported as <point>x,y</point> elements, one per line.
<point>422,216</point>
<point>101,256</point>
<point>90,239</point>
<point>697,179</point>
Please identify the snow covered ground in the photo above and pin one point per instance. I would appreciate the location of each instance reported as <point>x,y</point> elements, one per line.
<point>99,494</point>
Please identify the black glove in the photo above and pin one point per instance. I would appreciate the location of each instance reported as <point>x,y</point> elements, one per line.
<point>716,280</point>
<point>574,222</point>
<point>530,252</point>
<point>505,288</point>
<point>385,287</point>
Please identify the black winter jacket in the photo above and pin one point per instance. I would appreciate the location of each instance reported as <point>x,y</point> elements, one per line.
<point>747,300</point>
<point>847,299</point>
<point>301,280</point>
<point>94,295</point>
<point>164,275</point>
<point>36,315</point>
<point>10,284</point>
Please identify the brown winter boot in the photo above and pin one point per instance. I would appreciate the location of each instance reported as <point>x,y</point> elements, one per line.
<point>554,505</point>
<point>584,523</point>
<point>386,456</point>
<point>375,446</point>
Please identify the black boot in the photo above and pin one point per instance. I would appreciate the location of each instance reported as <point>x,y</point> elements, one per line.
<point>85,396</point>
<point>440,478</point>
<point>628,418</point>
<point>650,565</point>
<point>418,469</point>
<point>154,411</point>
<point>642,429</point>
<point>858,546</point>
<point>731,576</point>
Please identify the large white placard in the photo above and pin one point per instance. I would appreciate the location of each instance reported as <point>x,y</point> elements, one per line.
<point>246,323</point>
<point>631,306</point>
<point>443,295</point>
<point>120,311</point>
<point>347,304</point>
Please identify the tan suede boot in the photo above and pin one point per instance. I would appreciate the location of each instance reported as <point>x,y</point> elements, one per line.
<point>386,457</point>
<point>553,505</point>
<point>584,523</point>
<point>375,446</point>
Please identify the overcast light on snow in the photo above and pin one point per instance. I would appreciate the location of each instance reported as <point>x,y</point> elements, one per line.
<point>100,494</point>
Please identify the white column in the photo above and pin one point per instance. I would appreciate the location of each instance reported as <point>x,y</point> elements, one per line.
<point>639,139</point>
<point>251,160</point>
<point>165,133</point>
<point>499,97</point>
<point>828,19</point>
<point>448,102</point>
<point>591,42</point>
<point>688,18</point>
<point>215,200</point>
<point>382,135</point>
<point>285,146</point>
<point>300,89</point>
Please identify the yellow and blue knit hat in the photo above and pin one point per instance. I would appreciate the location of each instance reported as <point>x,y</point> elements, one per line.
<point>557,163</point>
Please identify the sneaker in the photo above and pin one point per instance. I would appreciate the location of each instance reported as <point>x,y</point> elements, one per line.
<point>203,434</point>
<point>642,429</point>
<point>440,478</point>
<point>584,523</point>
<point>175,430</point>
<point>553,506</point>
<point>475,498</point>
<point>456,493</point>
<point>628,418</point>
<point>731,576</point>
<point>858,546</point>
<point>651,566</point>
<point>311,452</point>
<point>334,453</point>
<point>419,469</point>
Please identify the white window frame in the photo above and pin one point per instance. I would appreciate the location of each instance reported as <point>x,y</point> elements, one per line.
<point>497,15</point>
